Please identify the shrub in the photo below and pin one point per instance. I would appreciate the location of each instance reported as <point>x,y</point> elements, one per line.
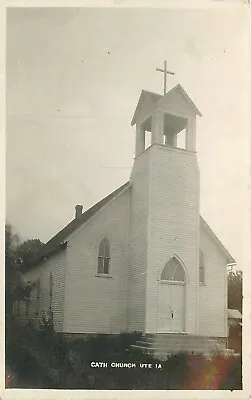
<point>41,358</point>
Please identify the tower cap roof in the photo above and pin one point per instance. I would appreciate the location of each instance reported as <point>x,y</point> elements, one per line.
<point>155,97</point>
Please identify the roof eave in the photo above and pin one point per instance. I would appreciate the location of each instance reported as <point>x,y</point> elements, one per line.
<point>137,107</point>
<point>148,94</point>
<point>230,259</point>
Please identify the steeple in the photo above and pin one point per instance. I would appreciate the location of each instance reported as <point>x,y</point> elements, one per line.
<point>165,117</point>
<point>165,212</point>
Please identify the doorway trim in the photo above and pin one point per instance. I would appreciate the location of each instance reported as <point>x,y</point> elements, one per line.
<point>162,282</point>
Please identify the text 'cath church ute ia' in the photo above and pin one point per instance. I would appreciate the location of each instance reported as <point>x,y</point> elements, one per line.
<point>142,259</point>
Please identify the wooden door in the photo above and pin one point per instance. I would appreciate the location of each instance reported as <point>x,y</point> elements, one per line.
<point>171,308</point>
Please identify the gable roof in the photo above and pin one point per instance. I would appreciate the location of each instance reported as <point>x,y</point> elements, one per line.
<point>58,241</point>
<point>230,259</point>
<point>156,97</point>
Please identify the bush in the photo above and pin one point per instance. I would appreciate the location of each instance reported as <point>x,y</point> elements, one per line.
<point>41,358</point>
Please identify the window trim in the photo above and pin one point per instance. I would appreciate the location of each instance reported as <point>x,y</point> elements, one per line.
<point>104,257</point>
<point>103,275</point>
<point>168,265</point>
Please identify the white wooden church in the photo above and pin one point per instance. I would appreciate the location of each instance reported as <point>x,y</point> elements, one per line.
<point>141,259</point>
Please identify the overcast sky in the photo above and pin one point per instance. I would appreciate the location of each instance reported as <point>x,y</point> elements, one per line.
<point>73,81</point>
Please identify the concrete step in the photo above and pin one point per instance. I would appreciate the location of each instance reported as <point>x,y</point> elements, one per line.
<point>189,345</point>
<point>163,354</point>
<point>174,349</point>
<point>178,340</point>
<point>163,344</point>
<point>148,350</point>
<point>184,349</point>
<point>180,343</point>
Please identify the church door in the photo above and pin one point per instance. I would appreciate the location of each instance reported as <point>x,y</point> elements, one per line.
<point>171,299</point>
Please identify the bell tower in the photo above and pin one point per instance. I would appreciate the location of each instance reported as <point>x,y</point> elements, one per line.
<point>164,207</point>
<point>165,120</point>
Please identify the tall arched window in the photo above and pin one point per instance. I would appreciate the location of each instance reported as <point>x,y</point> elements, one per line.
<point>201,268</point>
<point>173,271</point>
<point>104,257</point>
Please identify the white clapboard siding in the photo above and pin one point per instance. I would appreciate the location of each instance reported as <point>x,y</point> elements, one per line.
<point>139,208</point>
<point>56,266</point>
<point>97,304</point>
<point>173,226</point>
<point>213,295</point>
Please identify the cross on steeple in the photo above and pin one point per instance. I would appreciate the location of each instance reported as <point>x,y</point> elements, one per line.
<point>165,73</point>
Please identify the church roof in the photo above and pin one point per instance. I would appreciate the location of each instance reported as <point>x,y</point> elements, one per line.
<point>59,241</point>
<point>230,259</point>
<point>154,97</point>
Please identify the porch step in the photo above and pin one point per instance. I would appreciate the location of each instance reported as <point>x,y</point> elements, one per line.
<point>161,345</point>
<point>184,345</point>
<point>145,349</point>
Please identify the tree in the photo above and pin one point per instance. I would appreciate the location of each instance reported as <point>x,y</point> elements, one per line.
<point>12,275</point>
<point>235,290</point>
<point>26,251</point>
<point>16,255</point>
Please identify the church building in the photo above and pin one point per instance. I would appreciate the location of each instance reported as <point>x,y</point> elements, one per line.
<point>142,259</point>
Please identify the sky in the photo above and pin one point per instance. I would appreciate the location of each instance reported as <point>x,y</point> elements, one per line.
<point>74,76</point>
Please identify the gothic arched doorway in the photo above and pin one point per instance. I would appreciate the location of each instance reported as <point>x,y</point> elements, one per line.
<point>171,298</point>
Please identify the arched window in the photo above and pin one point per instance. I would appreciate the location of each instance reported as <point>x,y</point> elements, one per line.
<point>201,267</point>
<point>173,271</point>
<point>104,257</point>
<point>51,288</point>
